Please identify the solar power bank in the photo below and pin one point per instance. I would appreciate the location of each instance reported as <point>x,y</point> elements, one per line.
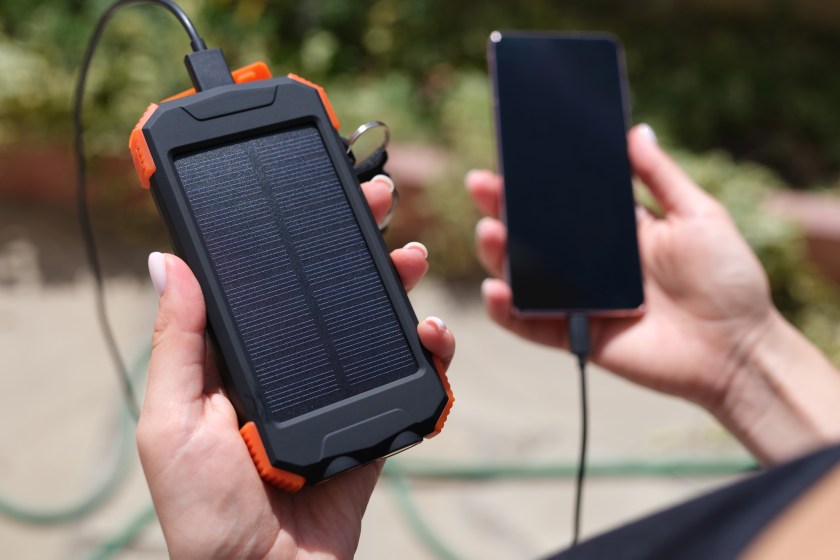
<point>315,337</point>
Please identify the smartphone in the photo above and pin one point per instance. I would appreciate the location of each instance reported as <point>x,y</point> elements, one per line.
<point>561,112</point>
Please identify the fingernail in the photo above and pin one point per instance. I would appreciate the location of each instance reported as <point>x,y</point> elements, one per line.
<point>641,213</point>
<point>647,131</point>
<point>437,322</point>
<point>157,271</point>
<point>483,226</point>
<point>385,179</point>
<point>485,286</point>
<point>470,176</point>
<point>419,247</point>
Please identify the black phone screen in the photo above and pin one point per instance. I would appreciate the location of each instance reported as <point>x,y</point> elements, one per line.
<point>561,120</point>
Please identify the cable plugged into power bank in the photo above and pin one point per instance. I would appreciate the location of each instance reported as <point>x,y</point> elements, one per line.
<point>578,325</point>
<point>208,69</point>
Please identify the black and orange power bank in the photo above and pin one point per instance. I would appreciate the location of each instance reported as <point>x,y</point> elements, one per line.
<point>315,337</point>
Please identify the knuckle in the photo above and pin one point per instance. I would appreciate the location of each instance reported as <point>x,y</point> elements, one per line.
<point>162,324</point>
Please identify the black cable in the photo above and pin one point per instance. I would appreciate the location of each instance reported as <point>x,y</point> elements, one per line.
<point>88,238</point>
<point>579,346</point>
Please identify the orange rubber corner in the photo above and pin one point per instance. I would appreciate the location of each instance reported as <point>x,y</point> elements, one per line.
<point>251,73</point>
<point>324,99</point>
<point>451,398</point>
<point>140,154</point>
<point>284,480</point>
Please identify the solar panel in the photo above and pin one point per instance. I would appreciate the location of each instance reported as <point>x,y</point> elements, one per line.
<point>300,283</point>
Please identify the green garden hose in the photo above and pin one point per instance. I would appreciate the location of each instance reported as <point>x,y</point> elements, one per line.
<point>35,515</point>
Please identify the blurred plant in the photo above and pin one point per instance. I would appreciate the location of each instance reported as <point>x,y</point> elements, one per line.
<point>466,131</point>
<point>390,98</point>
<point>138,62</point>
<point>757,79</point>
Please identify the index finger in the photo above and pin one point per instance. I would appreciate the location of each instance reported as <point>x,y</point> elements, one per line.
<point>379,193</point>
<point>485,188</point>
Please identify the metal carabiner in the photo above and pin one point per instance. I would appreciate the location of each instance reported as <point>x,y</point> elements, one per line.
<point>359,132</point>
<point>368,126</point>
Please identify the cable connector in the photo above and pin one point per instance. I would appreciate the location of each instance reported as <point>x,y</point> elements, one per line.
<point>579,336</point>
<point>208,69</point>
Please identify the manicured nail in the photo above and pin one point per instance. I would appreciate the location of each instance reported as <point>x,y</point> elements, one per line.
<point>437,322</point>
<point>485,287</point>
<point>419,247</point>
<point>157,271</point>
<point>385,179</point>
<point>647,131</point>
<point>471,175</point>
<point>484,226</point>
<point>641,212</point>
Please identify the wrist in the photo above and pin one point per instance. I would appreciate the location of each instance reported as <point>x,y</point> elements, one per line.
<point>783,396</point>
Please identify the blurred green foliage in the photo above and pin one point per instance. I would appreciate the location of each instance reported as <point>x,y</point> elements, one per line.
<point>755,81</point>
<point>759,81</point>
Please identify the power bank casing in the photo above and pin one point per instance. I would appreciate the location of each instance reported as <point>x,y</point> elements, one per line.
<point>315,337</point>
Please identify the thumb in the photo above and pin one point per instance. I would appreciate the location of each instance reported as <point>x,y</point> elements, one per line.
<point>176,369</point>
<point>674,191</point>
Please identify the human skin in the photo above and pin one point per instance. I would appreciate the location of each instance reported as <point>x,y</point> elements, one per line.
<point>208,496</point>
<point>709,333</point>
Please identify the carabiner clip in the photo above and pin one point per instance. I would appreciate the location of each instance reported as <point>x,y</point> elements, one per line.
<point>367,127</point>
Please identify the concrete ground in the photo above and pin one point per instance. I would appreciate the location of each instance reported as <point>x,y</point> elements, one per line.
<point>62,425</point>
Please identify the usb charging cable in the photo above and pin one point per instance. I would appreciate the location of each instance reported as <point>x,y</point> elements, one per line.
<point>578,325</point>
<point>200,58</point>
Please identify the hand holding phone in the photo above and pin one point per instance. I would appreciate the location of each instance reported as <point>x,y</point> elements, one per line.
<point>561,120</point>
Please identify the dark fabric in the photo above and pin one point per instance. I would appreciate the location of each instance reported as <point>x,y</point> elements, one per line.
<point>716,526</point>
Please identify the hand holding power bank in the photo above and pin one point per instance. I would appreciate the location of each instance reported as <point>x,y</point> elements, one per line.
<point>316,339</point>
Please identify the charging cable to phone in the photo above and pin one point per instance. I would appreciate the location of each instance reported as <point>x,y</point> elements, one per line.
<point>578,325</point>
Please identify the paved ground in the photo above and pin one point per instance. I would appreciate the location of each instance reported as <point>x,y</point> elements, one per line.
<point>516,403</point>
